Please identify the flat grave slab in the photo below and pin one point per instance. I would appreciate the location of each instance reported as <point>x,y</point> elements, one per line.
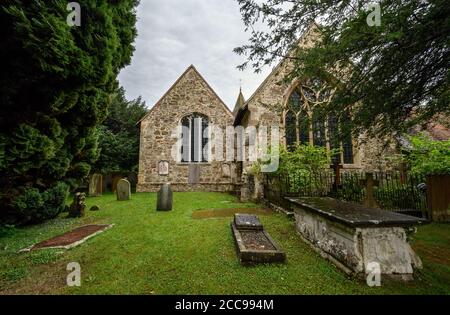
<point>355,215</point>
<point>72,238</point>
<point>228,212</point>
<point>254,244</point>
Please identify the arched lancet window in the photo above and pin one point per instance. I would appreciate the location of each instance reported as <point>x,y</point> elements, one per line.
<point>333,138</point>
<point>296,120</point>
<point>319,128</point>
<point>291,132</point>
<point>347,145</point>
<point>194,141</point>
<point>303,126</point>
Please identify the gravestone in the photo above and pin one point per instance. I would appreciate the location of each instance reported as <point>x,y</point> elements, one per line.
<point>194,174</point>
<point>78,205</point>
<point>247,222</point>
<point>370,183</point>
<point>165,198</point>
<point>96,185</point>
<point>123,190</point>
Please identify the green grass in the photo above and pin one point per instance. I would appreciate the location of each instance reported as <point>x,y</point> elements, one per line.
<point>149,252</point>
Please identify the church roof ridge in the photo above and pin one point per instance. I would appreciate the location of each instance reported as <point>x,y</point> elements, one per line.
<point>190,67</point>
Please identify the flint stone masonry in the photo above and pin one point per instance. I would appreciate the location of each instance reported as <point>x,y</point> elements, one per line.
<point>165,198</point>
<point>352,236</point>
<point>190,94</point>
<point>123,190</point>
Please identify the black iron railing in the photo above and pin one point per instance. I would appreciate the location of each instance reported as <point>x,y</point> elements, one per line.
<point>392,191</point>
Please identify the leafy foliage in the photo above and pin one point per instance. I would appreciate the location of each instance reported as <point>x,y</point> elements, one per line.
<point>55,85</point>
<point>119,135</point>
<point>301,167</point>
<point>397,73</point>
<point>428,156</point>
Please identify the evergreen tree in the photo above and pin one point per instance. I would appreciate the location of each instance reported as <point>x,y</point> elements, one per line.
<point>396,72</point>
<point>55,88</point>
<point>119,135</point>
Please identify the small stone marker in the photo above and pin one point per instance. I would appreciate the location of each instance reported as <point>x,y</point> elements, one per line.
<point>165,198</point>
<point>94,208</point>
<point>96,185</point>
<point>123,191</point>
<point>247,222</point>
<point>194,174</point>
<point>78,205</point>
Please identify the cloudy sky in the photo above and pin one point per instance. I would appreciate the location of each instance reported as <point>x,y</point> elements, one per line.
<point>172,34</point>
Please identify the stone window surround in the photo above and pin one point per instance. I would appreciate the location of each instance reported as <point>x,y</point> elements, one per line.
<point>296,83</point>
<point>180,123</point>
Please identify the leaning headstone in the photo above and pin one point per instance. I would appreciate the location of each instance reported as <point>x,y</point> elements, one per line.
<point>165,198</point>
<point>96,185</point>
<point>123,190</point>
<point>78,205</point>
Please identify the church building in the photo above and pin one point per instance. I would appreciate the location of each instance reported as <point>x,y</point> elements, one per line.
<point>192,103</point>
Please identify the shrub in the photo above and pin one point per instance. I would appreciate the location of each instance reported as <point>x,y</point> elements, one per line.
<point>33,206</point>
<point>302,168</point>
<point>428,157</point>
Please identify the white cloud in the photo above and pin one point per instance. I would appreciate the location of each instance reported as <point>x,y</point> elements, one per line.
<point>172,34</point>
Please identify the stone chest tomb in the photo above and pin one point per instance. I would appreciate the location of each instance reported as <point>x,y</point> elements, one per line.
<point>353,236</point>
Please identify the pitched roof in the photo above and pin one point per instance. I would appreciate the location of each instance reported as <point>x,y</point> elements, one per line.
<point>240,113</point>
<point>191,67</point>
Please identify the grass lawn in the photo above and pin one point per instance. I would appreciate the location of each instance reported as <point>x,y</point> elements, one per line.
<point>171,253</point>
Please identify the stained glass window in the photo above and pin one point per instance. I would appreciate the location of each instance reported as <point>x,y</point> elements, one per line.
<point>318,128</point>
<point>290,129</point>
<point>333,136</point>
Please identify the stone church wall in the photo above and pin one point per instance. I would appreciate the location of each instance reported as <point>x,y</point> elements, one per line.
<point>190,94</point>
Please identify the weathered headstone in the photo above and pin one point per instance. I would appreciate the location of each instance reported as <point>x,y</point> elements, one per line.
<point>194,174</point>
<point>96,185</point>
<point>123,191</point>
<point>78,205</point>
<point>165,198</point>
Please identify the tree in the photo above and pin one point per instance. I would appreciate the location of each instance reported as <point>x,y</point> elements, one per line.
<point>399,71</point>
<point>119,135</point>
<point>55,88</point>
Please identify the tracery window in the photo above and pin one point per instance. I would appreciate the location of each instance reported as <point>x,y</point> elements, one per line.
<point>307,123</point>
